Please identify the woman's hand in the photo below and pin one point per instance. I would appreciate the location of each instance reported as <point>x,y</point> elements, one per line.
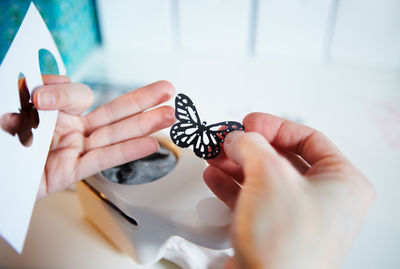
<point>113,134</point>
<point>289,212</point>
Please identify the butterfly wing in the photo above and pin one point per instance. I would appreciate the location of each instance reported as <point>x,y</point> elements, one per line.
<point>206,140</point>
<point>186,131</point>
<point>184,134</point>
<point>208,144</point>
<point>185,111</point>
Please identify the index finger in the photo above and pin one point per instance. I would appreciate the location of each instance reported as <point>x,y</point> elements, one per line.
<point>308,143</point>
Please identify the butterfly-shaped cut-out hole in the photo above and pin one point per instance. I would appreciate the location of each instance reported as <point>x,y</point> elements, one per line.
<point>190,131</point>
<point>22,123</point>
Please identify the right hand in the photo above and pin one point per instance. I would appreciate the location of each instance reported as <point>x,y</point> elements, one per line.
<point>288,215</point>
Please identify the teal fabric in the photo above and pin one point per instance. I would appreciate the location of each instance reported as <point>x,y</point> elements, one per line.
<point>72,23</point>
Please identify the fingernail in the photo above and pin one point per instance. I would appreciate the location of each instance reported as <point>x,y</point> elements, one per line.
<point>46,99</point>
<point>233,136</point>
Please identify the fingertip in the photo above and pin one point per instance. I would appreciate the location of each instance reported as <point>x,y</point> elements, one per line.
<point>47,80</point>
<point>261,163</point>
<point>210,177</point>
<point>167,85</point>
<point>73,98</point>
<point>251,117</point>
<point>222,185</point>
<point>169,114</point>
<point>167,88</point>
<point>45,98</point>
<point>35,96</point>
<point>244,148</point>
<point>239,144</point>
<point>206,173</point>
<point>210,170</point>
<point>34,99</point>
<point>154,145</point>
<point>210,174</point>
<point>232,137</point>
<point>228,166</point>
<point>88,96</point>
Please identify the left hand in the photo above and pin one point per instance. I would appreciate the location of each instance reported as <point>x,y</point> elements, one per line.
<point>113,134</point>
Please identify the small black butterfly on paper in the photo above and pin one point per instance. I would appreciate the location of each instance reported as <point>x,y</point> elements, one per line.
<point>206,140</point>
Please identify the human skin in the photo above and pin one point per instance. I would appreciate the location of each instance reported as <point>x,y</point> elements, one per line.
<point>288,212</point>
<point>113,134</point>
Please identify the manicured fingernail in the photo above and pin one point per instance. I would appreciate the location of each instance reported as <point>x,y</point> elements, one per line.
<point>233,136</point>
<point>46,99</point>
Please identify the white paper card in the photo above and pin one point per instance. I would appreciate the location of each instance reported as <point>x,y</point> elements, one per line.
<point>22,167</point>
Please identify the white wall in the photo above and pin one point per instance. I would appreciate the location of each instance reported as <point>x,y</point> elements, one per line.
<point>368,32</point>
<point>355,32</point>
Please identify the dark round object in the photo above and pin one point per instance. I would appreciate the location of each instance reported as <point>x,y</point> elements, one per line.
<point>144,170</point>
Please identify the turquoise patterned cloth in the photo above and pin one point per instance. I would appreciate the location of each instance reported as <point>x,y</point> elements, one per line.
<point>73,24</point>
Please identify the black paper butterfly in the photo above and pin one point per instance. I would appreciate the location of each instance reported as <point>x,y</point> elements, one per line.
<point>206,140</point>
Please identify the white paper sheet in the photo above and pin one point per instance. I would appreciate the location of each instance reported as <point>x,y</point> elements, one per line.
<point>22,167</point>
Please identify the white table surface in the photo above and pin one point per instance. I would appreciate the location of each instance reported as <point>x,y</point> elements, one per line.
<point>60,237</point>
<point>357,107</point>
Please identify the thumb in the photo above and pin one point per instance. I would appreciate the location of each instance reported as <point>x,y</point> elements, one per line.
<point>260,162</point>
<point>72,98</point>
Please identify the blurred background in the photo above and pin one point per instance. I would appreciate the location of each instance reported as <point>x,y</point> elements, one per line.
<point>330,64</point>
<point>350,32</point>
